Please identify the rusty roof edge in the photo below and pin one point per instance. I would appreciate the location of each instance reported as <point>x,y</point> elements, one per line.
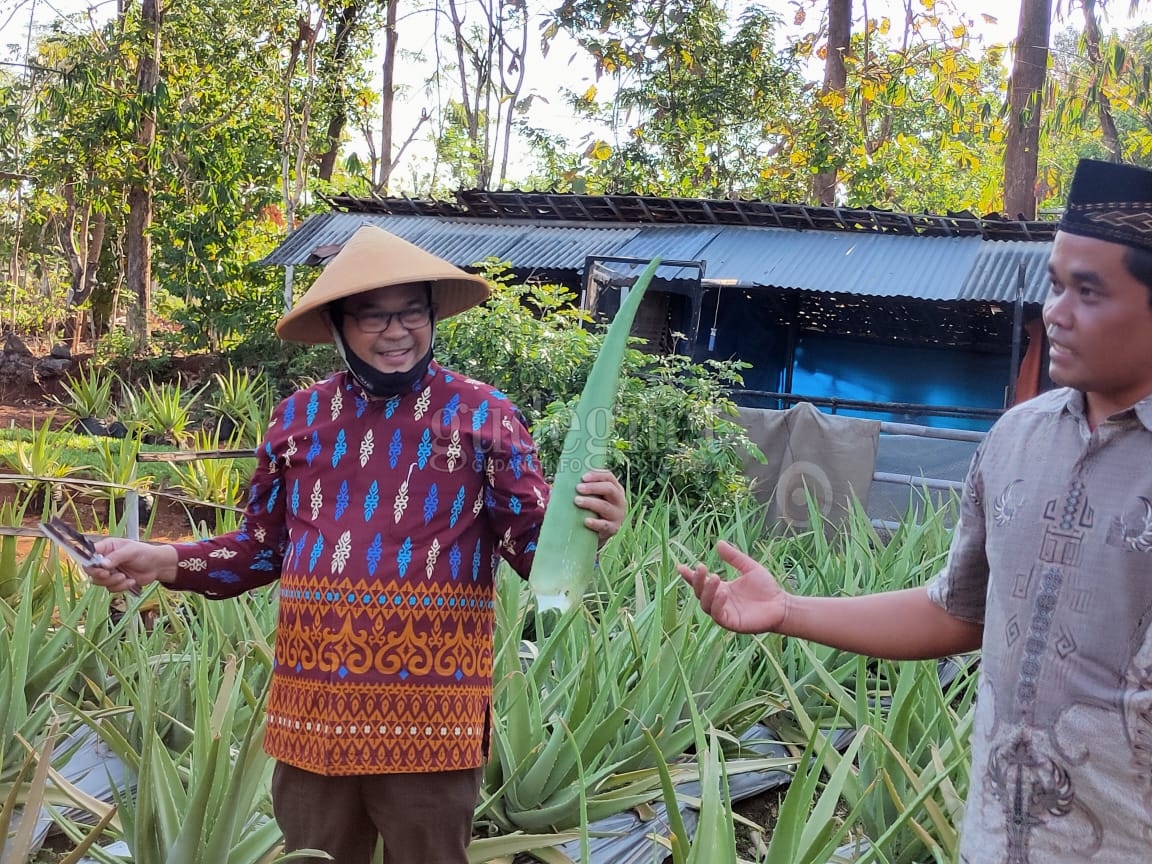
<point>478,204</point>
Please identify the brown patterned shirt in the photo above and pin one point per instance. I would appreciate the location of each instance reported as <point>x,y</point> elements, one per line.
<point>384,521</point>
<point>1053,553</point>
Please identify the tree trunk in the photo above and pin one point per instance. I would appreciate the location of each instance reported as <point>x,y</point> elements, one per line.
<point>511,66</point>
<point>336,125</point>
<point>1025,98</point>
<point>345,23</point>
<point>1103,104</point>
<point>139,244</point>
<point>294,144</point>
<point>835,81</point>
<point>387,100</point>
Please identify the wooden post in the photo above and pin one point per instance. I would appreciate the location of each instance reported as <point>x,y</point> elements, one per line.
<point>132,515</point>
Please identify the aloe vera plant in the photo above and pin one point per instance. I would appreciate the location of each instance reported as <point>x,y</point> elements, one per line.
<point>89,394</point>
<point>566,549</point>
<point>242,405</point>
<point>41,659</point>
<point>572,729</point>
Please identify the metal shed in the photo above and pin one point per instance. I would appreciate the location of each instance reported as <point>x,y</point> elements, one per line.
<point>838,303</point>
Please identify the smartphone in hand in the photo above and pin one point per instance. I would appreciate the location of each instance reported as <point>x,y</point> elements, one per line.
<point>74,544</point>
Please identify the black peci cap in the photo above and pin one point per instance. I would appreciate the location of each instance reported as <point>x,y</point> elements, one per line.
<point>1110,202</point>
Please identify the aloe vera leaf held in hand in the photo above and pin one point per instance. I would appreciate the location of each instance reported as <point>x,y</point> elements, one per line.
<point>566,549</point>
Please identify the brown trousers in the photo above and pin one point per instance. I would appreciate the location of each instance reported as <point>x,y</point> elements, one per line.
<point>421,818</point>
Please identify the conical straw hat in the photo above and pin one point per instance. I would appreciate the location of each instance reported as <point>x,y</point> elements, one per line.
<point>371,259</point>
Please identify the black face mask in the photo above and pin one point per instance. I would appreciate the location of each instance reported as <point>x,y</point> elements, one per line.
<point>376,383</point>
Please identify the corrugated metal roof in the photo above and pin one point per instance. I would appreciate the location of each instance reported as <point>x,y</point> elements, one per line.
<point>464,243</point>
<point>995,272</point>
<point>881,265</point>
<point>877,265</point>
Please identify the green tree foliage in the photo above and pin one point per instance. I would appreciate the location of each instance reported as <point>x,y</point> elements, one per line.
<point>528,341</point>
<point>713,107</point>
<point>920,123</point>
<point>221,102</point>
<point>704,107</point>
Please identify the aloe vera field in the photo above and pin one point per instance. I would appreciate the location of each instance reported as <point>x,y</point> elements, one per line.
<point>628,727</point>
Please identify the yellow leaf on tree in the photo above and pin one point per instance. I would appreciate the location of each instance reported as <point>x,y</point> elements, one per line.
<point>832,99</point>
<point>601,150</point>
<point>589,94</point>
<point>959,31</point>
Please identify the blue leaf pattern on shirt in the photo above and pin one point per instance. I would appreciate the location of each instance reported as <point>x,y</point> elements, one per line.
<point>454,558</point>
<point>300,545</point>
<point>313,407</point>
<point>342,500</point>
<point>499,394</point>
<point>289,412</point>
<point>263,561</point>
<point>361,406</point>
<point>371,501</point>
<point>223,576</point>
<point>394,449</point>
<point>514,505</point>
<point>317,548</point>
<point>476,562</point>
<point>515,461</point>
<point>457,508</point>
<point>272,494</point>
<point>425,448</point>
<point>450,409</point>
<point>314,450</point>
<point>404,556</point>
<point>295,497</point>
<point>375,552</point>
<point>489,499</point>
<point>253,492</point>
<point>478,460</point>
<point>390,407</point>
<point>480,416</point>
<point>340,448</point>
<point>431,502</point>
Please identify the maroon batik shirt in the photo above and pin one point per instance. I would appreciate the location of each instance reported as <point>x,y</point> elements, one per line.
<point>384,520</point>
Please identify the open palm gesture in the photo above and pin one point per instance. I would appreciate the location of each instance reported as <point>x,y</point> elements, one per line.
<point>753,602</point>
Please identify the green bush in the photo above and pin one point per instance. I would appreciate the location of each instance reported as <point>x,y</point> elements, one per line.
<point>673,420</point>
<point>528,341</point>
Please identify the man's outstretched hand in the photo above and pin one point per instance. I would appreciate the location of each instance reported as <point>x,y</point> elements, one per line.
<point>753,602</point>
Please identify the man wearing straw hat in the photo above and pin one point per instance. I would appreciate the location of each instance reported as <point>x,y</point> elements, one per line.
<point>1050,569</point>
<point>382,500</point>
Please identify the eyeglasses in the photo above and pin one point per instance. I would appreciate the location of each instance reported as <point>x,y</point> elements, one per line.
<point>375,321</point>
